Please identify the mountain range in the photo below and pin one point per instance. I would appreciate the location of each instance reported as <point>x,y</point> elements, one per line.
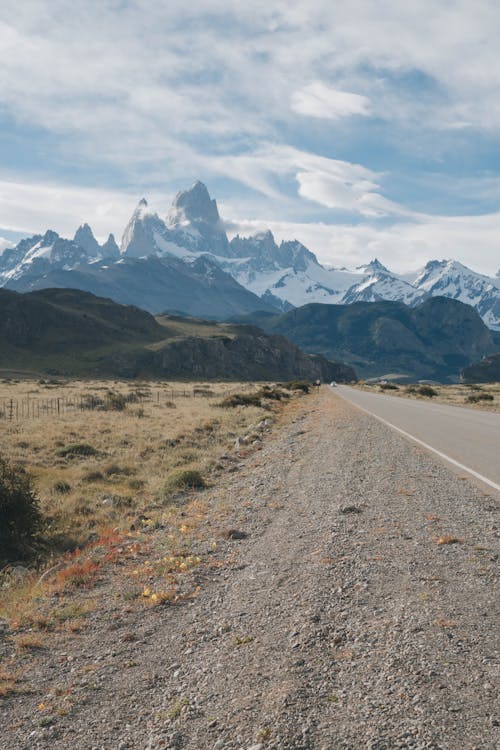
<point>185,262</point>
<point>435,339</point>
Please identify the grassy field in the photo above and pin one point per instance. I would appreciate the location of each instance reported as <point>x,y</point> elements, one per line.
<point>121,490</point>
<point>485,396</point>
<point>99,467</point>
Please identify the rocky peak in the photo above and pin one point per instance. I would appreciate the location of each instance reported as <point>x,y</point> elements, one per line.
<point>84,237</point>
<point>110,249</point>
<point>49,237</point>
<point>194,219</point>
<point>193,206</point>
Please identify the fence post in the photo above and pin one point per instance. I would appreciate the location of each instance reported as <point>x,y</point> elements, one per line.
<point>11,410</point>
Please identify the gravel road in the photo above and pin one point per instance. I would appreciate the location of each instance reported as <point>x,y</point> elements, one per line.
<point>341,624</point>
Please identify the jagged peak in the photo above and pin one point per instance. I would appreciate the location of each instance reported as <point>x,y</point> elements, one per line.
<point>374,266</point>
<point>142,203</point>
<point>49,237</point>
<point>193,205</point>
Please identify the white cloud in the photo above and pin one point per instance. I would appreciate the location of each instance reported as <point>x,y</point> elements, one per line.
<point>4,244</point>
<point>319,100</point>
<point>34,208</point>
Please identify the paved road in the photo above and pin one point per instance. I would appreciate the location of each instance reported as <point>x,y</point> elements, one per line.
<point>470,438</point>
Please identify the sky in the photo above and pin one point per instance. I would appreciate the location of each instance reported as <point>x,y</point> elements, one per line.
<point>364,129</point>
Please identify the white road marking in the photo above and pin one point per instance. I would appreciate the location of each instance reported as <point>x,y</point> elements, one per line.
<point>429,447</point>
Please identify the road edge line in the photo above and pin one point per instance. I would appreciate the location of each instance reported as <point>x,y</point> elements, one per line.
<point>428,447</point>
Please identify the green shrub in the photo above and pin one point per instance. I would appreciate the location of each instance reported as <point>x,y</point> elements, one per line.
<point>77,449</point>
<point>298,385</point>
<point>20,518</point>
<point>388,387</point>
<point>184,479</point>
<point>473,399</point>
<point>426,390</point>
<point>241,399</point>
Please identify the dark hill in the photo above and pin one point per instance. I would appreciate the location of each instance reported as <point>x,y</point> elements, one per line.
<point>69,332</point>
<point>485,371</point>
<point>435,340</point>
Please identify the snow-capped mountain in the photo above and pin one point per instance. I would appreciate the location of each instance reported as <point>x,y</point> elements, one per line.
<point>282,276</point>
<point>449,278</point>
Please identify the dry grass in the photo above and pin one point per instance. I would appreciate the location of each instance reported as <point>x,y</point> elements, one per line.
<point>127,456</point>
<point>473,396</point>
<point>104,505</point>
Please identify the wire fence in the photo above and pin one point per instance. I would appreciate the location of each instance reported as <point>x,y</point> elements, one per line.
<point>33,408</point>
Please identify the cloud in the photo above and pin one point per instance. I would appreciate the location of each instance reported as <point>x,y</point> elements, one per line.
<point>34,208</point>
<point>138,82</point>
<point>319,100</point>
<point>4,244</point>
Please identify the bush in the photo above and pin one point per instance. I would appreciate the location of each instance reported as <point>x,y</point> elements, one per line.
<point>62,488</point>
<point>116,401</point>
<point>388,387</point>
<point>77,449</point>
<point>426,390</point>
<point>184,479</point>
<point>473,399</point>
<point>241,399</point>
<point>299,385</point>
<point>20,518</point>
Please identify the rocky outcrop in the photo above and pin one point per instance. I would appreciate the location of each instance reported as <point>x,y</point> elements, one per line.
<point>250,355</point>
<point>485,371</point>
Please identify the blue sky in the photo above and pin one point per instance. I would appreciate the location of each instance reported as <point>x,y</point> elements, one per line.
<point>363,129</point>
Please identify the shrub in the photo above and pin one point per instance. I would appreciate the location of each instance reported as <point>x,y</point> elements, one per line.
<point>241,399</point>
<point>184,479</point>
<point>299,385</point>
<point>92,476</point>
<point>388,387</point>
<point>473,399</point>
<point>77,449</point>
<point>115,470</point>
<point>62,488</point>
<point>116,401</point>
<point>426,390</point>
<point>20,518</point>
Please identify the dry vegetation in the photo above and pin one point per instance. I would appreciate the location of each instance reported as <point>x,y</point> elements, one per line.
<point>108,481</point>
<point>485,396</point>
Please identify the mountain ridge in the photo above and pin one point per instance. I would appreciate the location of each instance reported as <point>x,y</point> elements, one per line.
<point>70,332</point>
<point>434,340</point>
<point>278,276</point>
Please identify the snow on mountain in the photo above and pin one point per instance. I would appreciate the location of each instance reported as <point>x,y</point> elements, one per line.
<point>195,222</point>
<point>84,237</point>
<point>285,275</point>
<point>450,278</point>
<point>110,249</point>
<point>290,275</point>
<point>36,255</point>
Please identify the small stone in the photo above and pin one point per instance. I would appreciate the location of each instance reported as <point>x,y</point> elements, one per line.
<point>345,509</point>
<point>235,534</point>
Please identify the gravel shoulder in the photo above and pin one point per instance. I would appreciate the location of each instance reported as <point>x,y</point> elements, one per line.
<point>340,622</point>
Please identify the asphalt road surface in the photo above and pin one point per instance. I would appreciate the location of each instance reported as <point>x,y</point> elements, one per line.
<point>469,439</point>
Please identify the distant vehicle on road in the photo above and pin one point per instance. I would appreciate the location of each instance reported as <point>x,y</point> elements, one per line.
<point>333,384</point>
